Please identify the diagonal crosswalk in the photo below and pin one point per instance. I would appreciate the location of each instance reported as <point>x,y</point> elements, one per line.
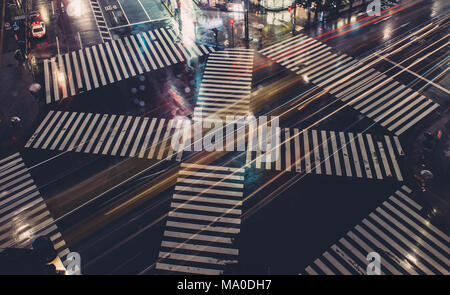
<point>115,135</point>
<point>99,65</point>
<point>23,213</point>
<point>331,153</point>
<point>394,106</point>
<point>400,232</point>
<point>203,221</point>
<point>348,154</point>
<point>226,84</point>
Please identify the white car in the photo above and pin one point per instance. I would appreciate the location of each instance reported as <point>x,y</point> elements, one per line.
<point>38,30</point>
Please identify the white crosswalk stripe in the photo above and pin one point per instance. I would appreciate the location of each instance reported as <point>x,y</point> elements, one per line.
<point>399,232</point>
<point>334,153</point>
<point>126,136</point>
<point>388,106</point>
<point>114,60</point>
<point>100,20</point>
<point>226,85</point>
<point>204,220</point>
<point>23,213</point>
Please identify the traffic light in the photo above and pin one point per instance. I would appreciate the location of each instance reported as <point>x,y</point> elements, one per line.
<point>289,8</point>
<point>232,22</point>
<point>179,3</point>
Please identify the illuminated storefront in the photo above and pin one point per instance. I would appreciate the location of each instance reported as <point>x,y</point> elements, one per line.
<point>275,4</point>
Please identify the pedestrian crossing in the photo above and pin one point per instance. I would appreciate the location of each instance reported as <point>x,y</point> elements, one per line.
<point>399,232</point>
<point>99,65</point>
<point>100,21</point>
<point>204,220</point>
<point>348,154</point>
<point>106,134</point>
<point>379,97</point>
<point>324,152</point>
<point>226,84</point>
<point>23,213</point>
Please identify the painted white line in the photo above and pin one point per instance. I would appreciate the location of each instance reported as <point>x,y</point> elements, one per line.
<point>130,136</point>
<point>147,138</point>
<point>213,219</point>
<point>133,56</point>
<point>152,49</point>
<point>46,130</point>
<point>112,135</point>
<point>326,153</point>
<point>188,269</point>
<point>96,132</point>
<point>71,131</point>
<point>205,208</point>
<point>79,39</point>
<point>113,61</point>
<point>201,248</point>
<point>47,81</point>
<point>105,132</point>
<point>355,155</point>
<point>127,58</point>
<point>121,135</point>
<point>91,66</point>
<point>105,62</point>
<point>55,129</point>
<point>119,58</point>
<point>80,130</point>
<point>202,228</point>
<point>156,138</point>
<point>85,72</point>
<point>85,137</point>
<point>138,50</point>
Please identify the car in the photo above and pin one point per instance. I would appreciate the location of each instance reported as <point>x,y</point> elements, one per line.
<point>38,30</point>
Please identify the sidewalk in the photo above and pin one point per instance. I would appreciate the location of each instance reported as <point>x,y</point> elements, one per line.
<point>15,100</point>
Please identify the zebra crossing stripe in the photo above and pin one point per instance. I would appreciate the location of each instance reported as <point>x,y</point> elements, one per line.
<point>112,130</point>
<point>137,136</point>
<point>91,67</point>
<point>393,111</point>
<point>100,21</point>
<point>422,250</point>
<point>52,134</point>
<point>105,62</point>
<point>330,153</point>
<point>70,75</point>
<point>106,134</point>
<point>233,98</point>
<point>122,65</point>
<point>21,203</point>
<point>38,130</point>
<point>205,209</point>
<point>146,52</point>
<point>77,69</point>
<point>62,77</point>
<point>56,78</point>
<point>85,74</point>
<point>79,132</point>
<point>46,130</point>
<point>94,136</point>
<point>113,61</point>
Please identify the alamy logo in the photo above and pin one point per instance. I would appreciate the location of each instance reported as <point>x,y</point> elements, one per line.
<point>374,266</point>
<point>74,266</point>
<point>213,134</point>
<point>374,8</point>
